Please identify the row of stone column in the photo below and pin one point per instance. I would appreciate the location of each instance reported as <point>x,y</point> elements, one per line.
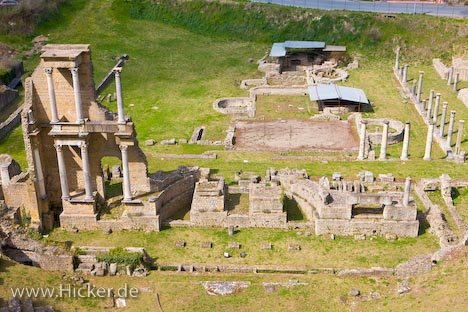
<point>77,95</point>
<point>89,189</point>
<point>453,77</point>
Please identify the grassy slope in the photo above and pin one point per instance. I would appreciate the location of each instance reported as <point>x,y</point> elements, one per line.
<point>440,290</point>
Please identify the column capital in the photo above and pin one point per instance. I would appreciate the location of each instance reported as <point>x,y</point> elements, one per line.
<point>452,113</point>
<point>364,122</point>
<point>386,122</point>
<point>58,147</point>
<point>117,71</point>
<point>408,123</point>
<point>48,70</point>
<point>74,70</point>
<point>123,147</point>
<point>84,145</point>
<point>421,72</point>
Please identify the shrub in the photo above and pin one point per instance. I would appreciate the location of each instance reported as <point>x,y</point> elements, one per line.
<point>122,257</point>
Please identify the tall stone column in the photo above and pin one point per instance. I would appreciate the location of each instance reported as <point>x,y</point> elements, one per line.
<point>435,114</point>
<point>362,141</point>
<point>461,125</point>
<point>120,102</point>
<point>77,92</point>
<point>443,118</point>
<point>455,82</point>
<point>38,167</point>
<point>397,60</point>
<point>62,172</point>
<point>406,137</point>
<point>450,76</point>
<point>400,73</point>
<point>413,88</point>
<point>86,171</point>
<point>127,189</point>
<point>420,85</point>
<point>450,129</point>
<point>422,104</point>
<point>430,133</point>
<point>429,105</point>
<point>407,191</point>
<point>383,145</point>
<point>405,73</point>
<point>52,98</point>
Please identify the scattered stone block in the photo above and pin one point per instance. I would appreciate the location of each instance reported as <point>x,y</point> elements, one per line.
<point>269,288</point>
<point>150,142</point>
<point>226,255</point>
<point>140,271</point>
<point>183,141</point>
<point>354,292</point>
<point>231,230</point>
<point>337,176</point>
<point>169,142</point>
<point>371,155</point>
<point>391,237</point>
<point>266,246</point>
<point>360,237</point>
<point>113,269</point>
<point>224,288</point>
<point>120,303</point>
<point>294,247</point>
<point>403,287</point>
<point>388,177</point>
<point>206,244</point>
<point>116,172</point>
<point>180,243</point>
<point>243,254</point>
<point>129,270</point>
<point>234,245</point>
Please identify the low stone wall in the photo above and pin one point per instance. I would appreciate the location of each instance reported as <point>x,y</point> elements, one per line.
<point>463,96</point>
<point>230,138</point>
<point>205,155</point>
<point>367,227</point>
<point>279,90</point>
<point>249,83</point>
<point>461,67</point>
<point>10,123</point>
<point>394,137</point>
<point>174,198</point>
<point>440,68</point>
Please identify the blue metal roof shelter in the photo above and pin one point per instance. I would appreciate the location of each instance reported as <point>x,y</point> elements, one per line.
<point>324,92</point>
<point>279,49</point>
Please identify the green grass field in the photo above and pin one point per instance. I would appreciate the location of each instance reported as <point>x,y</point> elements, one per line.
<point>184,55</point>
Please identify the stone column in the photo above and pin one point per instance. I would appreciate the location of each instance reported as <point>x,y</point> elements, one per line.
<point>436,109</point>
<point>62,173</point>
<point>52,98</point>
<point>38,169</point>
<point>362,142</point>
<point>422,104</point>
<point>86,171</point>
<point>118,90</point>
<point>127,189</point>
<point>450,129</point>
<point>455,82</point>
<point>383,145</point>
<point>77,92</point>
<point>429,105</point>
<point>430,132</point>
<point>461,125</point>
<point>442,121</point>
<point>407,192</point>
<point>397,60</point>
<point>405,73</point>
<point>449,76</point>
<point>413,88</point>
<point>406,137</point>
<point>420,85</point>
<point>400,73</point>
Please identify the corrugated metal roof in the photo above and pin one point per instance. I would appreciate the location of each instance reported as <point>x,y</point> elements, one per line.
<point>304,44</point>
<point>334,48</point>
<point>278,50</point>
<point>322,92</point>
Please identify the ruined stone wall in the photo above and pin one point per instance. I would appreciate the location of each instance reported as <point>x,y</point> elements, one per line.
<point>174,198</point>
<point>10,123</point>
<point>7,96</point>
<point>367,227</point>
<point>440,68</point>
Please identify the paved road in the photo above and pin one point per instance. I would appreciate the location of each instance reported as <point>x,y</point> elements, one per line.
<point>378,6</point>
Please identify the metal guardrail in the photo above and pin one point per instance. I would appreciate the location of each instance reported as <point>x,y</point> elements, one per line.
<point>387,7</point>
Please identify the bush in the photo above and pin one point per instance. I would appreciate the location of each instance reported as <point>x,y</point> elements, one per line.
<point>122,257</point>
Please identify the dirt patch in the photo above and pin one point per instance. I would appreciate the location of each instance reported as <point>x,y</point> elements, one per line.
<point>296,135</point>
